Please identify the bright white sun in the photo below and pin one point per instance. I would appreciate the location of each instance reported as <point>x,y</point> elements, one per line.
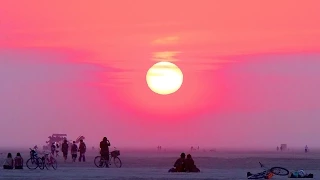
<point>164,78</point>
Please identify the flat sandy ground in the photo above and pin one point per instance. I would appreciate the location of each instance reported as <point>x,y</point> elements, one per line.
<point>154,165</point>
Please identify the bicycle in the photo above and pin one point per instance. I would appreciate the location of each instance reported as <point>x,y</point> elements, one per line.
<point>101,162</point>
<point>49,161</point>
<point>268,173</point>
<point>34,160</point>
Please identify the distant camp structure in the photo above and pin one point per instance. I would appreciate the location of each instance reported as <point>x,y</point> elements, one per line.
<point>194,149</point>
<point>283,147</point>
<point>59,138</point>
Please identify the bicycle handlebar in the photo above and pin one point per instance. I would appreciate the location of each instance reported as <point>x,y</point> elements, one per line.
<point>261,165</point>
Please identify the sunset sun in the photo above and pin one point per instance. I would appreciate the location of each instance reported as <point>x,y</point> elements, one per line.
<point>164,78</point>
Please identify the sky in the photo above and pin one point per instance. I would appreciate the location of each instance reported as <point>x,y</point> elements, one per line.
<point>250,72</point>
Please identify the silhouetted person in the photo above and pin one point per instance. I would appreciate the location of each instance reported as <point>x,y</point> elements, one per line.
<point>53,149</point>
<point>64,149</point>
<point>8,162</point>
<point>104,150</point>
<point>306,149</point>
<point>57,149</point>
<point>82,150</point>
<point>18,161</point>
<point>179,165</point>
<point>277,148</point>
<point>189,165</point>
<point>74,151</point>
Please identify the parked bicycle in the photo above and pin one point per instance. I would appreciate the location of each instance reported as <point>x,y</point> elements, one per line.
<point>49,161</point>
<point>113,156</point>
<point>34,161</point>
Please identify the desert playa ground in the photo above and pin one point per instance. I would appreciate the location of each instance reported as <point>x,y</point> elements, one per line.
<point>153,165</point>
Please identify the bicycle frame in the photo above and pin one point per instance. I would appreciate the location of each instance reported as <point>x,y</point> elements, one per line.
<point>263,174</point>
<point>264,167</point>
<point>107,161</point>
<point>110,157</point>
<point>47,158</point>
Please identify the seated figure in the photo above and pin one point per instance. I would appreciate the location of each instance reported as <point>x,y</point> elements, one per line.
<point>8,163</point>
<point>179,165</point>
<point>18,162</point>
<point>189,165</point>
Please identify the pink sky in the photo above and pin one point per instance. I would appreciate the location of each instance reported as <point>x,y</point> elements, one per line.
<point>250,69</point>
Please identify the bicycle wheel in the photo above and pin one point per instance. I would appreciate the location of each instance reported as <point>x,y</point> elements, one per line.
<point>41,163</point>
<point>117,162</point>
<point>99,162</point>
<point>54,164</point>
<point>280,171</point>
<point>51,163</point>
<point>33,163</point>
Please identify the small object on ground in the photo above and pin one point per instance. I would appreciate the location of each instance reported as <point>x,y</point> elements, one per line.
<point>300,174</point>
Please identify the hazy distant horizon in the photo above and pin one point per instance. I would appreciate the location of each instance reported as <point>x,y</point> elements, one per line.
<point>205,148</point>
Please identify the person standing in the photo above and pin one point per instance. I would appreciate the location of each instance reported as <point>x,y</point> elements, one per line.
<point>53,148</point>
<point>82,150</point>
<point>57,149</point>
<point>74,151</point>
<point>104,149</point>
<point>64,149</point>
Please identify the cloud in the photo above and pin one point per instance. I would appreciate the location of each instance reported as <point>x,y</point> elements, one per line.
<point>29,68</point>
<point>210,29</point>
<point>291,65</point>
<point>287,82</point>
<point>169,56</point>
<point>50,90</point>
<point>166,40</point>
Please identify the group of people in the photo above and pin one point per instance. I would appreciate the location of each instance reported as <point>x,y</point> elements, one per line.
<point>104,150</point>
<point>74,150</point>
<point>16,163</point>
<point>306,148</point>
<point>184,164</point>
